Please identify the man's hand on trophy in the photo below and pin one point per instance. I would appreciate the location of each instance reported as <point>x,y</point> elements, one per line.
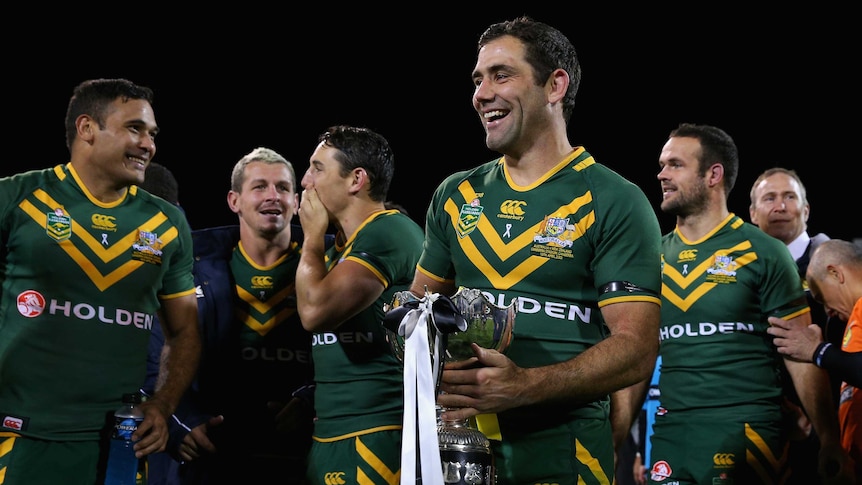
<point>496,385</point>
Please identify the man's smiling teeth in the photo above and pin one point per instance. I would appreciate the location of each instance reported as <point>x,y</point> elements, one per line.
<point>493,114</point>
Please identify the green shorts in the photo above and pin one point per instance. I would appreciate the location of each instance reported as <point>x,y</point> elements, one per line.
<point>29,461</point>
<point>368,458</point>
<point>576,452</point>
<point>689,449</point>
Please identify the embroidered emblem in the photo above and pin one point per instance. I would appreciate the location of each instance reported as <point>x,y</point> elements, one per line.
<point>147,248</point>
<point>723,270</point>
<point>554,232</point>
<point>468,218</point>
<point>58,224</point>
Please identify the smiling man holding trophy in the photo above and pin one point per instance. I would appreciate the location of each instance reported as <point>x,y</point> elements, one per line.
<point>572,242</point>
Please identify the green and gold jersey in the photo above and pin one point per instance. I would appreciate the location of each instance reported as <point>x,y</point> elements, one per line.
<point>272,354</point>
<point>360,383</point>
<point>81,282</point>
<point>577,239</point>
<point>717,293</point>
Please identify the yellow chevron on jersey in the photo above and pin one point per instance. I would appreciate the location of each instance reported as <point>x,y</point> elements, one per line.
<point>719,258</point>
<point>505,250</point>
<point>264,307</point>
<point>264,327</point>
<point>118,249</point>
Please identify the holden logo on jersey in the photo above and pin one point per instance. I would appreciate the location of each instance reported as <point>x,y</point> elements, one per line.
<point>469,217</point>
<point>103,222</point>
<point>31,303</point>
<point>58,224</point>
<point>660,471</point>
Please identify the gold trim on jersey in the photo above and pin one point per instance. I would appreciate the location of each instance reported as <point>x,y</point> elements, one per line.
<point>262,328</point>
<point>696,273</point>
<point>506,250</point>
<point>105,254</point>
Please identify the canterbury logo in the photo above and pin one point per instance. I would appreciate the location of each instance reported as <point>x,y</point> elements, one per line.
<point>100,220</point>
<point>261,281</point>
<point>334,478</point>
<point>687,255</point>
<point>723,459</point>
<point>513,207</point>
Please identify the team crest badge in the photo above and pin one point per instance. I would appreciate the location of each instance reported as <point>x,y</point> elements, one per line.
<point>147,248</point>
<point>468,218</point>
<point>555,232</point>
<point>723,265</point>
<point>58,225</point>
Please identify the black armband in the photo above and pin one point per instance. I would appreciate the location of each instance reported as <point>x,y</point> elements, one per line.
<point>623,286</point>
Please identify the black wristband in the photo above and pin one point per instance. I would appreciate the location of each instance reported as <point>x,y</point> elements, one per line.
<point>819,351</point>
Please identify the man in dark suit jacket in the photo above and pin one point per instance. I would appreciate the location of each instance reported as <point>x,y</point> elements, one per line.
<point>779,207</point>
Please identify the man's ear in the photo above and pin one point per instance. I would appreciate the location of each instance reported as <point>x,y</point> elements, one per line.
<point>232,201</point>
<point>558,84</point>
<point>835,271</point>
<point>715,174</point>
<point>86,127</point>
<point>359,179</point>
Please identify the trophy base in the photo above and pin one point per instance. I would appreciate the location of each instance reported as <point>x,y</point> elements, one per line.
<point>466,454</point>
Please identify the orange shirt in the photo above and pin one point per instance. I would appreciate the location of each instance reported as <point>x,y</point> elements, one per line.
<point>850,404</point>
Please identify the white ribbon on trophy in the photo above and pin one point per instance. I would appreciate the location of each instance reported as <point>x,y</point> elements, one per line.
<point>420,396</point>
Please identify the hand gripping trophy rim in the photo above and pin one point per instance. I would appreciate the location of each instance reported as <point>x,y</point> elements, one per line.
<point>466,317</point>
<point>442,329</point>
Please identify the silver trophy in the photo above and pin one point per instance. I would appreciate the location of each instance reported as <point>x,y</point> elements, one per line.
<point>448,326</point>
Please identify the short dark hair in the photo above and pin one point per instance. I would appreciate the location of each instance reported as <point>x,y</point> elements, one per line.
<point>547,49</point>
<point>362,147</point>
<point>92,97</point>
<point>716,146</point>
<point>160,181</point>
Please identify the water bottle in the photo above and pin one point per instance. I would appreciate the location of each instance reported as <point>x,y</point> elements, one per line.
<point>123,466</point>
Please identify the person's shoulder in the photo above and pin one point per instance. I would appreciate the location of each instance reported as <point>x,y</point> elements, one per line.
<point>759,239</point>
<point>215,241</point>
<point>602,173</point>
<point>34,176</point>
<point>454,179</point>
<point>17,186</point>
<point>768,248</point>
<point>606,181</point>
<point>165,205</point>
<point>405,222</point>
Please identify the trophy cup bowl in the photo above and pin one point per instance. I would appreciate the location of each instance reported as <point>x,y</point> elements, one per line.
<point>457,322</point>
<point>488,325</point>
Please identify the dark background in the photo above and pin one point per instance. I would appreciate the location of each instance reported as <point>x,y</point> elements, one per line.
<point>782,83</point>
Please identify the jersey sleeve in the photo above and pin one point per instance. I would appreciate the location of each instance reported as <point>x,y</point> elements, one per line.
<point>628,246</point>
